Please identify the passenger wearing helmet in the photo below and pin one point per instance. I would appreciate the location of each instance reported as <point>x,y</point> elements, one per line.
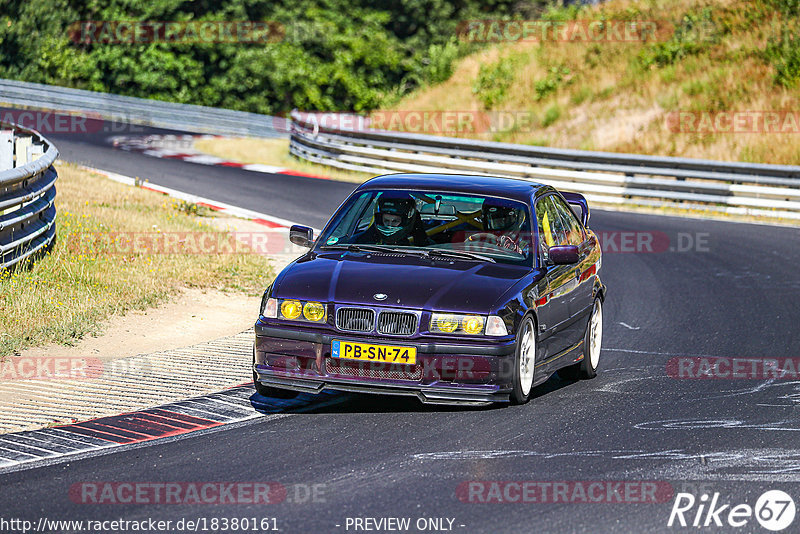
<point>397,222</point>
<point>503,223</point>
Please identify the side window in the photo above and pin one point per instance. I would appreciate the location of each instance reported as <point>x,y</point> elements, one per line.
<point>551,227</point>
<point>572,227</point>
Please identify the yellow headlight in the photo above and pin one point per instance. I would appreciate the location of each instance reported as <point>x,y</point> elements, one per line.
<point>472,324</point>
<point>314,311</point>
<point>291,309</point>
<point>445,323</point>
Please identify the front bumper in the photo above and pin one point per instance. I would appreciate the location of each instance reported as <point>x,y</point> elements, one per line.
<point>445,373</point>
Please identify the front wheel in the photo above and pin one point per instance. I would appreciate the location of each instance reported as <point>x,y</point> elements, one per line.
<point>524,362</point>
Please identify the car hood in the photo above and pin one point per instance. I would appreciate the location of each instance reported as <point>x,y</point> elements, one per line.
<point>407,281</point>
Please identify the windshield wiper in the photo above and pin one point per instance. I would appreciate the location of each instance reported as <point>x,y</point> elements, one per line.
<point>373,248</point>
<point>352,248</point>
<point>459,254</point>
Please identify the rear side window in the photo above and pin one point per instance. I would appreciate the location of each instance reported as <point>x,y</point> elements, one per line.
<point>572,227</point>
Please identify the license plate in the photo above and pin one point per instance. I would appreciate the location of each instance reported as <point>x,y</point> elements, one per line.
<point>350,350</point>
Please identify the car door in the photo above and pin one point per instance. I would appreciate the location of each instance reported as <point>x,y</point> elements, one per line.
<point>553,310</point>
<point>580,293</point>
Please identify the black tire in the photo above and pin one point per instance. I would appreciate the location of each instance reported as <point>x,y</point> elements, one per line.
<point>523,381</point>
<point>587,367</point>
<point>267,391</point>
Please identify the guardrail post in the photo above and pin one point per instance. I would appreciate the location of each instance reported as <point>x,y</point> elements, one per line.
<point>6,150</point>
<point>35,151</point>
<point>21,151</point>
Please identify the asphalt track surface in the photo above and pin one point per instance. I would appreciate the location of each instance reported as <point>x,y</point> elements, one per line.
<point>735,294</point>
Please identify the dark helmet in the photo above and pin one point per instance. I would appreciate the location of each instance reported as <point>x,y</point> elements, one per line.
<point>399,209</point>
<point>499,218</point>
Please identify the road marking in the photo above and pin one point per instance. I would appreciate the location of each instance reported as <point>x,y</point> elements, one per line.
<point>228,209</point>
<point>149,145</point>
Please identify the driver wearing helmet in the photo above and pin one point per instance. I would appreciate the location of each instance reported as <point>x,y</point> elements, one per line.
<point>504,223</point>
<point>397,222</point>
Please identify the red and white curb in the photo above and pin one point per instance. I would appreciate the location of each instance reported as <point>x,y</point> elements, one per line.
<point>181,147</point>
<point>269,221</point>
<point>22,450</point>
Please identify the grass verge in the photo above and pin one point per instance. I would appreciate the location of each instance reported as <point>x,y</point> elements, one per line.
<point>69,292</point>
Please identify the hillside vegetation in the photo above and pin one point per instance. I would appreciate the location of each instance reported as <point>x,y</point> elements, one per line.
<point>719,56</point>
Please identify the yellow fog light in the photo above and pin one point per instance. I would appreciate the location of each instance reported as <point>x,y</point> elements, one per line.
<point>291,309</point>
<point>444,323</point>
<point>472,324</point>
<point>314,311</point>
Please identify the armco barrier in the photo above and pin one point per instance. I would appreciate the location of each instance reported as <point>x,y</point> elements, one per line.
<point>27,194</point>
<point>604,177</point>
<point>142,111</point>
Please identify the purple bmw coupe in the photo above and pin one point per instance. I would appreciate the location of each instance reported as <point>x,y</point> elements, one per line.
<point>454,289</point>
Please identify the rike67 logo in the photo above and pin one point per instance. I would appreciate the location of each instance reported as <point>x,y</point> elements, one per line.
<point>774,510</point>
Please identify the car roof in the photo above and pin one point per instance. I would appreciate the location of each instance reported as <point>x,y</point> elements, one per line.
<point>512,188</point>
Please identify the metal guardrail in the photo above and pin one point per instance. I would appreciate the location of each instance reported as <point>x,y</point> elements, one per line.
<point>142,111</point>
<point>27,194</point>
<point>603,177</point>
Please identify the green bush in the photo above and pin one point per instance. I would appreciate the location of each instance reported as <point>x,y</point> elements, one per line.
<point>552,114</point>
<point>695,32</point>
<point>493,81</point>
<point>789,8</point>
<point>783,53</point>
<point>551,82</point>
<point>335,55</point>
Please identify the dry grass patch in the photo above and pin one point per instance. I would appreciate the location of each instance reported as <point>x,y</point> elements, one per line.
<point>69,292</point>
<point>618,96</point>
<point>271,152</point>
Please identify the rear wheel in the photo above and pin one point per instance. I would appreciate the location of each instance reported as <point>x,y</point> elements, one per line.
<point>267,391</point>
<point>524,362</point>
<point>592,342</point>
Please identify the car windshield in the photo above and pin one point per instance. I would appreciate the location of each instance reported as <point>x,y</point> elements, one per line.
<point>443,224</point>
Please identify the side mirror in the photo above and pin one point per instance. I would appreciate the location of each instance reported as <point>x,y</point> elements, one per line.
<point>302,236</point>
<point>564,254</point>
